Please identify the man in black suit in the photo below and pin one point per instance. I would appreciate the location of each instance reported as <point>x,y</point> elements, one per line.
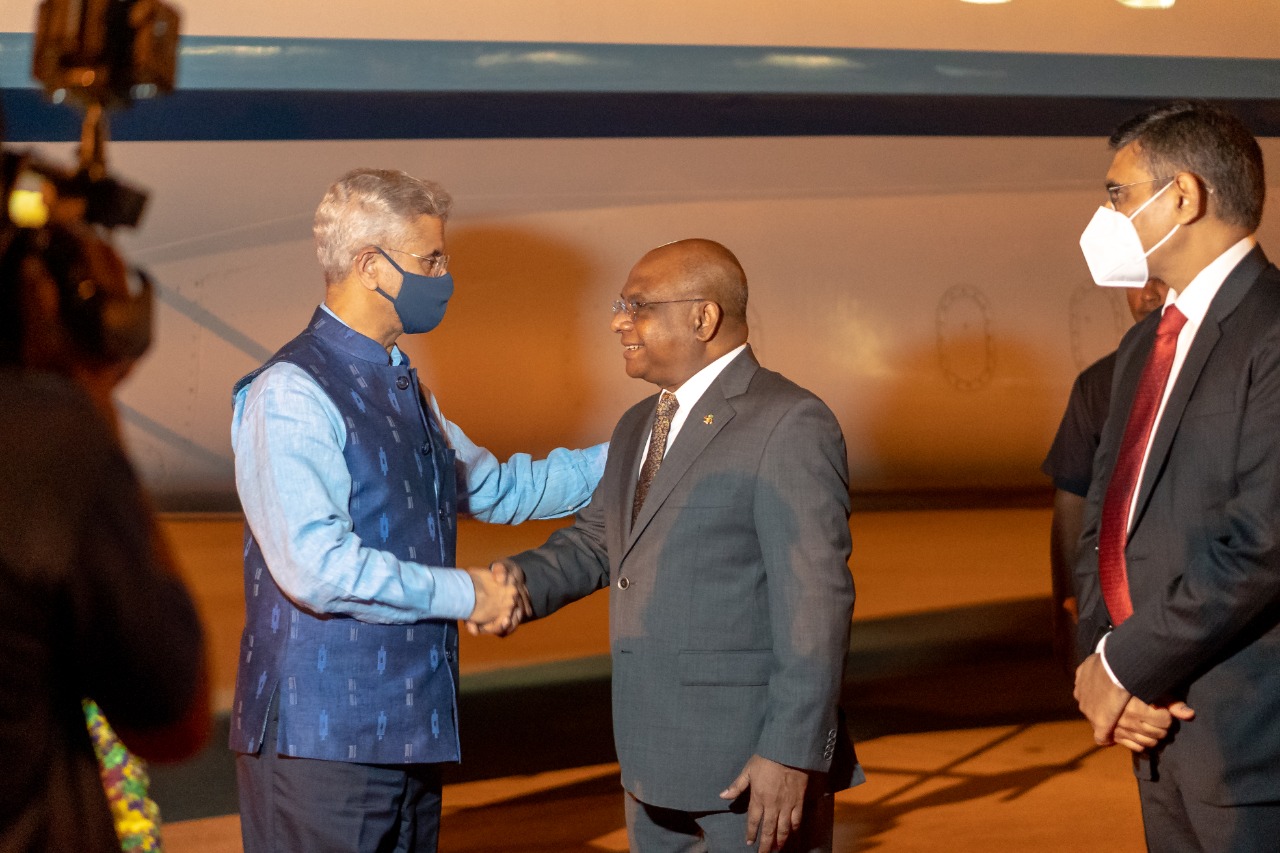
<point>1179,574</point>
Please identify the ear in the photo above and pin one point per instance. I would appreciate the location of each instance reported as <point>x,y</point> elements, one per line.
<point>1193,198</point>
<point>707,321</point>
<point>367,267</point>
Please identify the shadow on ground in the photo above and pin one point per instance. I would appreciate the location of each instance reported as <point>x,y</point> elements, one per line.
<point>985,665</point>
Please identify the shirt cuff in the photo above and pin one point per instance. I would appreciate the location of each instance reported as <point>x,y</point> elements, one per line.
<point>1102,654</point>
<point>455,594</point>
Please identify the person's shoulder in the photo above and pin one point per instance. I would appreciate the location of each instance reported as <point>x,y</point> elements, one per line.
<point>284,374</point>
<point>1257,313</point>
<point>293,354</point>
<point>1099,373</point>
<point>277,376</point>
<point>771,384</point>
<point>1271,272</point>
<point>777,399</point>
<point>1266,287</point>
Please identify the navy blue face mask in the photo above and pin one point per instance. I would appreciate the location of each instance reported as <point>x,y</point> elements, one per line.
<point>422,299</point>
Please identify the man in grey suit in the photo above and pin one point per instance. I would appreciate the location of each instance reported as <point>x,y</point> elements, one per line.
<point>1179,574</point>
<point>727,562</point>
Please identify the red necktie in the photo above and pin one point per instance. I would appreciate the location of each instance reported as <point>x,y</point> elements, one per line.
<point>1124,479</point>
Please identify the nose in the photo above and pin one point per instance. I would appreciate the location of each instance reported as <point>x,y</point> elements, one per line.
<point>621,320</point>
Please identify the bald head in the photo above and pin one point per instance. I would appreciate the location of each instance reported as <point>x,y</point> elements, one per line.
<point>709,270</point>
<point>688,307</point>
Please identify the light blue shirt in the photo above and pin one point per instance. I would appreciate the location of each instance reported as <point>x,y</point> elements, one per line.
<point>294,486</point>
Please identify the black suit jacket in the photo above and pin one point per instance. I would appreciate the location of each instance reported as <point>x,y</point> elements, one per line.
<point>1203,553</point>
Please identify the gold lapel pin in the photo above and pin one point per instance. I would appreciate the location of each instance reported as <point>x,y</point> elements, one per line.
<point>709,419</point>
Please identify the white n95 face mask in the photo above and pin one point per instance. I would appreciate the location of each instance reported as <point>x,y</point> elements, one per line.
<point>1113,250</point>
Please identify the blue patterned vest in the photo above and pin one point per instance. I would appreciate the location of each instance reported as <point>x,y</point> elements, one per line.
<point>351,690</point>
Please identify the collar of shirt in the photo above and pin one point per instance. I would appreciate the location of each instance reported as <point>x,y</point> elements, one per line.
<point>397,358</point>
<point>1194,299</point>
<point>688,394</point>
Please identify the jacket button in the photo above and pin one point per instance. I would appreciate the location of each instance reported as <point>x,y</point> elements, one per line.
<point>402,382</point>
<point>623,583</point>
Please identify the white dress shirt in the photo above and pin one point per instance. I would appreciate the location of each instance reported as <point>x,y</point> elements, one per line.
<point>690,393</point>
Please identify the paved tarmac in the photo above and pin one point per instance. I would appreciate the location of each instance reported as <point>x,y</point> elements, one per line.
<point>963,721</point>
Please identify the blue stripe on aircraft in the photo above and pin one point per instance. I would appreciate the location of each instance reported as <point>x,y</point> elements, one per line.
<point>233,88</point>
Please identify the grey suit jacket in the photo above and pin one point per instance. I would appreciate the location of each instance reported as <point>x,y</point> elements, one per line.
<point>730,598</point>
<point>1203,554</point>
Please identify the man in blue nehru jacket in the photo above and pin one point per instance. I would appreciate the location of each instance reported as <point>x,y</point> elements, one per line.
<point>351,481</point>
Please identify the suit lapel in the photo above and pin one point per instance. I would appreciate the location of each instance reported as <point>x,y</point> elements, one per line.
<point>1227,299</point>
<point>631,441</point>
<point>1206,339</point>
<point>706,419</point>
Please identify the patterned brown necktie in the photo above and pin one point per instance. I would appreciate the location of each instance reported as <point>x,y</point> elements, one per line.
<point>667,405</point>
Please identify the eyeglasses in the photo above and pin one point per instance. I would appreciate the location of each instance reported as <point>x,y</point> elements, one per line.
<point>632,307</point>
<point>1113,192</point>
<point>432,265</point>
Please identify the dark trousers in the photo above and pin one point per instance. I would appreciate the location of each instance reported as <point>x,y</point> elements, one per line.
<point>651,829</point>
<point>309,806</point>
<point>1176,822</point>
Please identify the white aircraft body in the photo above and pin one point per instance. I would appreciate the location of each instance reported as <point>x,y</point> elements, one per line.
<point>905,184</point>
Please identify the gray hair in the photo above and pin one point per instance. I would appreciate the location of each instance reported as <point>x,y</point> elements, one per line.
<point>371,207</point>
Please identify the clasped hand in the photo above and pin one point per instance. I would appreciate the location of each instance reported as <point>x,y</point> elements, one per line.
<point>1117,716</point>
<point>502,602</point>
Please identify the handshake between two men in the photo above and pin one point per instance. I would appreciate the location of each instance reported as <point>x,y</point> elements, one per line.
<point>502,600</point>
